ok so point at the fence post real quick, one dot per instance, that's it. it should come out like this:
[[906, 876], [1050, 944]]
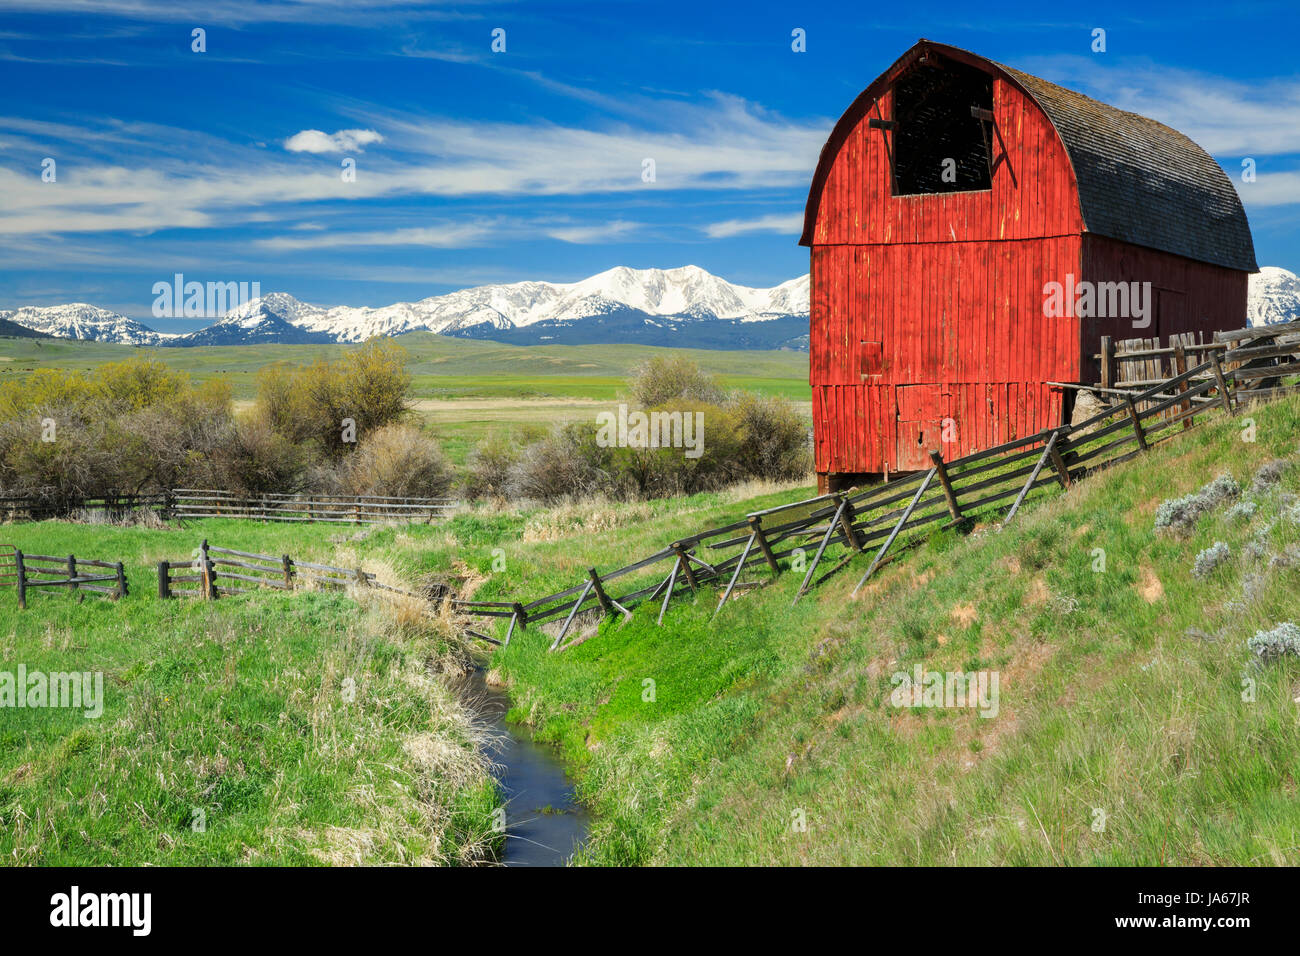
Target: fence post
[[72, 573], [942, 472], [757, 524], [685, 564], [1137, 423], [846, 524], [287, 564], [362, 580], [1107, 362], [1180, 366], [164, 580], [121, 582], [206, 585], [601, 596], [1223, 385], [1059, 463], [22, 579]]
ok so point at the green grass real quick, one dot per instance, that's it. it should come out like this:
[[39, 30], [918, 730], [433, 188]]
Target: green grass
[[706, 740], [774, 713], [230, 733], [442, 367], [463, 388]]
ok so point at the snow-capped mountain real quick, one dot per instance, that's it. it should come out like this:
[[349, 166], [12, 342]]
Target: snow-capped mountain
[[1274, 296], [77, 320], [683, 294]]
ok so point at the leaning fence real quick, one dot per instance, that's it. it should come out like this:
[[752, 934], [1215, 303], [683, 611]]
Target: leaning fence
[[885, 519]]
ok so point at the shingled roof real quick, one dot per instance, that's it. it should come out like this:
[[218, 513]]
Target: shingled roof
[[1139, 181], [1143, 182]]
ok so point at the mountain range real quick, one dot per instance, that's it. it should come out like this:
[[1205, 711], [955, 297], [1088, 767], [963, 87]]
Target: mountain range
[[671, 307]]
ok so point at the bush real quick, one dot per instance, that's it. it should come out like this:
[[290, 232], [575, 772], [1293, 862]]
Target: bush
[[1282, 640], [487, 472], [1181, 514], [1209, 559], [397, 461], [562, 465], [773, 438], [662, 380]]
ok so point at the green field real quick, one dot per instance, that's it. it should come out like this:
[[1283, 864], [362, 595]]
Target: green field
[[229, 732], [441, 367], [464, 389]]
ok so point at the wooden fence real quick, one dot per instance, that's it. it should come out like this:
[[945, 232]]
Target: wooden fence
[[205, 576], [50, 571], [54, 505], [884, 519], [350, 509]]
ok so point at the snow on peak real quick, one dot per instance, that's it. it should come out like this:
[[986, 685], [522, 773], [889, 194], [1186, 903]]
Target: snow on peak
[[1274, 296]]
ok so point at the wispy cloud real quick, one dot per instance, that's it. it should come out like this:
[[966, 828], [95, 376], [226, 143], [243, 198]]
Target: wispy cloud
[[721, 143], [790, 223]]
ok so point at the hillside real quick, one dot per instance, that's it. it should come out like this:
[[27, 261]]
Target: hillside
[[1120, 690]]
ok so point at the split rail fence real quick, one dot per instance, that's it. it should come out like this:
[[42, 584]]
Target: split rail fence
[[68, 571], [350, 509], [884, 519]]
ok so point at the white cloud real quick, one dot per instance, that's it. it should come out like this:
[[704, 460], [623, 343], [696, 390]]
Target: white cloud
[[344, 141], [450, 236], [596, 232], [791, 223]]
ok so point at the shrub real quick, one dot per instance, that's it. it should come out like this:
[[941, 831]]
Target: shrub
[[1269, 474], [398, 461], [562, 465], [1278, 642], [662, 380], [487, 472], [1181, 514], [773, 438], [1209, 559], [1242, 509]]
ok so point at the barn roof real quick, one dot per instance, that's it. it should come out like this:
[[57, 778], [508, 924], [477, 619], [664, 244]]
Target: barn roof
[[1139, 181]]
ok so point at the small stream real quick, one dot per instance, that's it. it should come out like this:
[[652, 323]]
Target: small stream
[[544, 823]]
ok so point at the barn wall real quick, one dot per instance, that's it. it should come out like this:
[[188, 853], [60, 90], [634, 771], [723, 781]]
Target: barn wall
[[929, 307], [1190, 296], [1034, 197]]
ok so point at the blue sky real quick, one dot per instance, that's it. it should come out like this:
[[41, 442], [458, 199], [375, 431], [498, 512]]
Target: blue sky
[[474, 166]]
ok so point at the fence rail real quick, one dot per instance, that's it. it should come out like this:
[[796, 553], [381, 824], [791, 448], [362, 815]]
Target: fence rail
[[877, 519], [349, 509], [47, 571]]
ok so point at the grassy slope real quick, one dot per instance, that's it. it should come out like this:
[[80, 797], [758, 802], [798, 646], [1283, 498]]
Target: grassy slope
[[1106, 702], [236, 708]]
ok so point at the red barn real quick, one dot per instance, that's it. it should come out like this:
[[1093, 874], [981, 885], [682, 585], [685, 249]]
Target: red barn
[[948, 199]]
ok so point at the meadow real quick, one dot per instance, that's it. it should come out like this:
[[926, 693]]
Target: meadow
[[464, 388]]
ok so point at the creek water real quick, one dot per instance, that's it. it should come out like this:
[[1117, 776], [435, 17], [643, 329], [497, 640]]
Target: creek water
[[544, 822]]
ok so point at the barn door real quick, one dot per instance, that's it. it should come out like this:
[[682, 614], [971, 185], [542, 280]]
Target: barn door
[[919, 425]]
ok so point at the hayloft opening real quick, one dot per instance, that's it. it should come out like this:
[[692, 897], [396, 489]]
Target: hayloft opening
[[939, 146]]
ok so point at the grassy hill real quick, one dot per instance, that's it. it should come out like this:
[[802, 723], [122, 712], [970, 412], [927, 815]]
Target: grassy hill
[[1133, 723], [1121, 735]]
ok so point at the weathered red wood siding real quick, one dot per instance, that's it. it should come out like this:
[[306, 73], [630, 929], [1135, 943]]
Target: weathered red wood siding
[[1190, 296], [951, 287]]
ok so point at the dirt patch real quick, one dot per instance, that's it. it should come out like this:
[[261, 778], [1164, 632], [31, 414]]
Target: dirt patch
[[1011, 563], [964, 614], [1149, 586], [1038, 593]]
